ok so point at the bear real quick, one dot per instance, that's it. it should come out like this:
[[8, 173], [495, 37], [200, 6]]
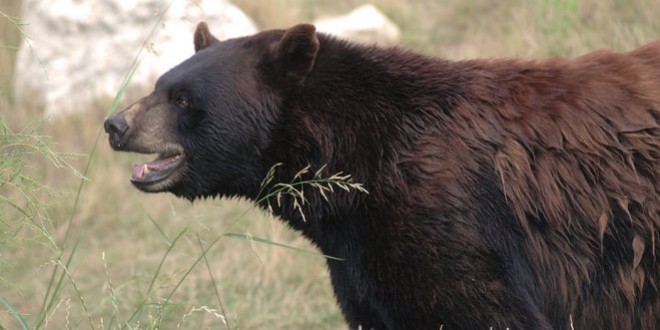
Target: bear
[[500, 193]]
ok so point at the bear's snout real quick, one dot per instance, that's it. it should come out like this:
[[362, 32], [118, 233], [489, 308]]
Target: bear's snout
[[116, 127]]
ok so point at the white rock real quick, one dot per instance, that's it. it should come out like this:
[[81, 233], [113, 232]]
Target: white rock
[[82, 49], [364, 24]]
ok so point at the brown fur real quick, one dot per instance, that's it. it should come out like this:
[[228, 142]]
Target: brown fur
[[575, 144], [502, 193]]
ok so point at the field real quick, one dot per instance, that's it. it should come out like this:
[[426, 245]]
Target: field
[[96, 253]]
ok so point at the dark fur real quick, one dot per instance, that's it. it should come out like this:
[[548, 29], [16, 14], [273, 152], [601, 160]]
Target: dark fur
[[502, 193]]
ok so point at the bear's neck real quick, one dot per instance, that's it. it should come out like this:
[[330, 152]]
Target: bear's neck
[[358, 110], [361, 107]]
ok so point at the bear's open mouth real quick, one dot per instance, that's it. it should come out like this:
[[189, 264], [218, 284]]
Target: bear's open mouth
[[157, 169]]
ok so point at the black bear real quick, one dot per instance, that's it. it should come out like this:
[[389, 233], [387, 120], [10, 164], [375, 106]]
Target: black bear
[[503, 194]]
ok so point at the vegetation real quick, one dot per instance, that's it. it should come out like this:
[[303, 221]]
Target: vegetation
[[80, 248]]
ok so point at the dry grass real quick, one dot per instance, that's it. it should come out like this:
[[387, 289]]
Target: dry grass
[[261, 286]]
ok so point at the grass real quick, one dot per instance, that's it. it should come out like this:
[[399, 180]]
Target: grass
[[147, 261]]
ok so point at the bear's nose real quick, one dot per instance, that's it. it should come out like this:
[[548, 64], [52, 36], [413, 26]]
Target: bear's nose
[[116, 127]]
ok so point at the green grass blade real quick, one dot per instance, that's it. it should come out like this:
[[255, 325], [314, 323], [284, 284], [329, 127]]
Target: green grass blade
[[30, 218], [160, 230], [138, 311], [43, 312], [78, 293], [215, 286], [17, 315], [162, 261], [41, 315], [185, 275], [18, 208], [266, 241]]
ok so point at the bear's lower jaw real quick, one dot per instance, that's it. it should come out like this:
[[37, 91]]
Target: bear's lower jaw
[[157, 175]]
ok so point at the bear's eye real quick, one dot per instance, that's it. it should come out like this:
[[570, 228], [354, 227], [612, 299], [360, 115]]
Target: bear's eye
[[182, 102]]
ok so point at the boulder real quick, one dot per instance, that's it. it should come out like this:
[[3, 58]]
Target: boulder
[[365, 24], [80, 51]]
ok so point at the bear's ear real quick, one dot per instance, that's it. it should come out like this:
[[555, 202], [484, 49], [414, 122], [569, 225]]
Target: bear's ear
[[203, 37], [297, 51]]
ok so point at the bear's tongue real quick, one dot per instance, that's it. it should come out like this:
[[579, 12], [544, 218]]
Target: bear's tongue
[[145, 170]]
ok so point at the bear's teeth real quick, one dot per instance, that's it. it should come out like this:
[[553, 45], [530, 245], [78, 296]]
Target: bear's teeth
[[145, 169]]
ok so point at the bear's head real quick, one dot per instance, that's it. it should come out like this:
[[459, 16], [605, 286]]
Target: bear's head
[[210, 119]]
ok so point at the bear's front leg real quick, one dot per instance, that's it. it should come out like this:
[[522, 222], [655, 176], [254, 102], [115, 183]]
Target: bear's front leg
[[357, 311]]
